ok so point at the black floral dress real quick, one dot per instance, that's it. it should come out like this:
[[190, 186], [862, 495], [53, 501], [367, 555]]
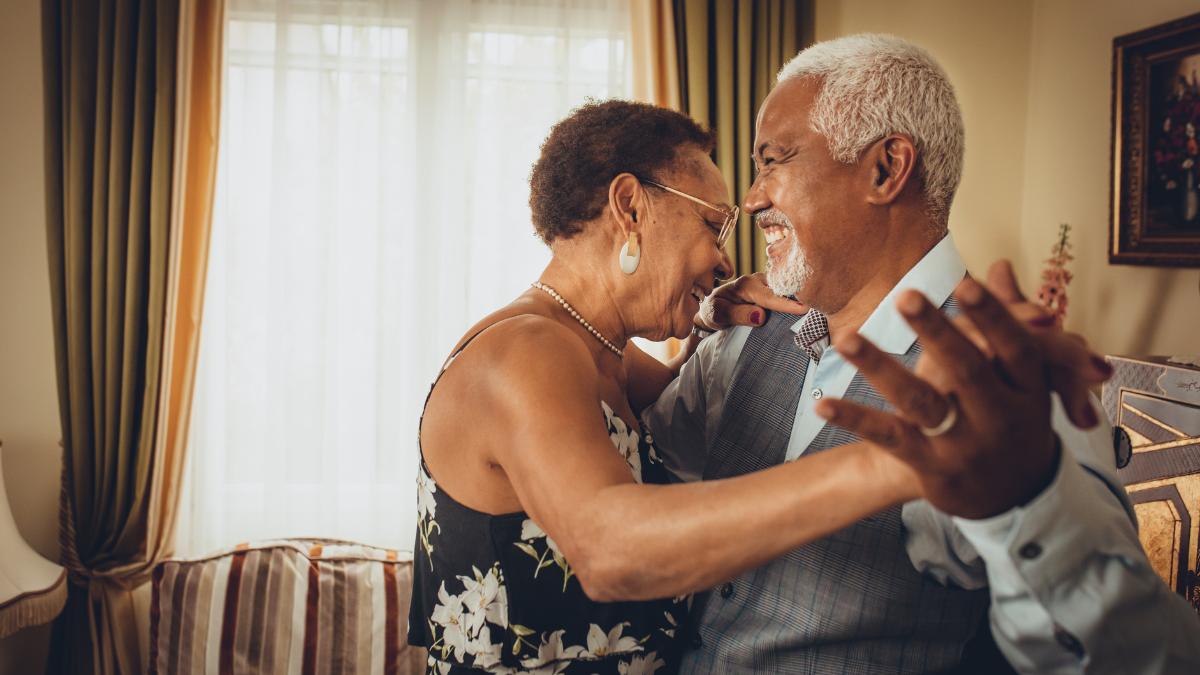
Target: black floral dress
[[493, 594]]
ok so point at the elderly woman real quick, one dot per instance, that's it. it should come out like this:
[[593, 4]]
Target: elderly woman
[[549, 539]]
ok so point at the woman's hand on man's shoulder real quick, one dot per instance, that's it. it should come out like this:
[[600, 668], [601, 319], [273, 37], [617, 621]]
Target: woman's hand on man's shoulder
[[745, 301]]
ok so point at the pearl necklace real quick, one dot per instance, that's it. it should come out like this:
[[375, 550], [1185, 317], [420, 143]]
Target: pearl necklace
[[571, 310]]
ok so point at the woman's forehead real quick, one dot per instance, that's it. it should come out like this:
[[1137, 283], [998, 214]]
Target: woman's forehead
[[695, 173]]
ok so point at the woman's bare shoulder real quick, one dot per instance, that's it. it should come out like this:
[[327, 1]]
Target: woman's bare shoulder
[[525, 348]]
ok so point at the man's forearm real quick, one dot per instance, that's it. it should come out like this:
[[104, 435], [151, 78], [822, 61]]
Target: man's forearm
[[1072, 591]]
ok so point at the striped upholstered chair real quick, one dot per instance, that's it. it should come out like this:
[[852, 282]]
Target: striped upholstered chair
[[290, 606]]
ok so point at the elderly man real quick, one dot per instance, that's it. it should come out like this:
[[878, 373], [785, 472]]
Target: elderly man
[[859, 152]]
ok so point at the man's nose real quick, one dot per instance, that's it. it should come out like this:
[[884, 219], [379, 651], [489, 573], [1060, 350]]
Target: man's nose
[[756, 199]]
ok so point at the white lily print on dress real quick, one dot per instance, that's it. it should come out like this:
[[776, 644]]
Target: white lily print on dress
[[530, 534], [485, 599], [448, 614], [641, 665], [552, 657], [485, 652], [463, 619], [625, 440], [426, 510], [439, 667], [669, 632], [601, 644]]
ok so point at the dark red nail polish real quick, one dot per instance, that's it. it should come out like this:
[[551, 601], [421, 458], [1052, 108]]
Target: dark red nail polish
[[1103, 366], [756, 318], [1042, 321]]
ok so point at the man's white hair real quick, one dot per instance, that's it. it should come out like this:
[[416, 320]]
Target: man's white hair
[[873, 85]]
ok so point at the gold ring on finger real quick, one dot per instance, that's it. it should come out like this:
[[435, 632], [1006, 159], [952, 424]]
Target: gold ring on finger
[[947, 422]]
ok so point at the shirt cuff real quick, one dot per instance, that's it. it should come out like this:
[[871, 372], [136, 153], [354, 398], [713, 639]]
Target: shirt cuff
[[1036, 545]]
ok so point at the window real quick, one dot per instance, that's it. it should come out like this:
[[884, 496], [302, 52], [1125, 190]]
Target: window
[[371, 205]]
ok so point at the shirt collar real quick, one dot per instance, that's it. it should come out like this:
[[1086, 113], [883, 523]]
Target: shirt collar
[[935, 275]]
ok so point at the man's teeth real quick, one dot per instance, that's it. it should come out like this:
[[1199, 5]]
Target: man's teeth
[[776, 233], [698, 294]]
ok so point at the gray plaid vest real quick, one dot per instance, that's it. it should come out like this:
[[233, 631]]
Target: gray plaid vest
[[849, 603]]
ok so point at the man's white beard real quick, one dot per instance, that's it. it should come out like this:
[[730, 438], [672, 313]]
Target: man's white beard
[[788, 278]]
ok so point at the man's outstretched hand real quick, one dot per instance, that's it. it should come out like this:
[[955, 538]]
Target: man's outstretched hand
[[984, 382]]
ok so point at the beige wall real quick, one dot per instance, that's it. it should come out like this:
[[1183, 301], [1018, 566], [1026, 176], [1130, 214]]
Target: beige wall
[[1123, 309], [1033, 79], [29, 423]]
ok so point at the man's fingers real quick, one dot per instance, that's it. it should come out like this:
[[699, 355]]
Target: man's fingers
[[912, 396], [883, 429], [1031, 314], [1003, 283], [1076, 398], [1069, 352], [1010, 341], [945, 344]]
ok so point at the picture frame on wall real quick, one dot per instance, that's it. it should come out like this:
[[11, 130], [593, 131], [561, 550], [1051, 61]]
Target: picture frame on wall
[[1155, 208]]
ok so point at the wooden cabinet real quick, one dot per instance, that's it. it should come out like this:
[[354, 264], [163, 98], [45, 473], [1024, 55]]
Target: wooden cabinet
[[1154, 406]]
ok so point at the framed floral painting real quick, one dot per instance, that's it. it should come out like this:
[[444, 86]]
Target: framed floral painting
[[1156, 146]]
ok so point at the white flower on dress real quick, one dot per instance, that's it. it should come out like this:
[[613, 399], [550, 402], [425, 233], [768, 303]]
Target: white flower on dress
[[426, 508], [601, 644], [486, 652], [641, 665], [448, 614], [426, 504], [530, 533], [441, 667], [464, 619], [670, 632], [552, 657], [625, 440], [485, 599]]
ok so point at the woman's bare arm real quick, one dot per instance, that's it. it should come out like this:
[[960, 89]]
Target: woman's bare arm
[[627, 541]]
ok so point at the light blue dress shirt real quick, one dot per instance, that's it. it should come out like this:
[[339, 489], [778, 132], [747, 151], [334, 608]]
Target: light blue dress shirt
[[1071, 588]]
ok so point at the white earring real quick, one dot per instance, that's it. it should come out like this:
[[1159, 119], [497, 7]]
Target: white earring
[[631, 254]]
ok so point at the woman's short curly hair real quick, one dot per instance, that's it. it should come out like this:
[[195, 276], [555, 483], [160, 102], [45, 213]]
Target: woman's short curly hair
[[586, 150]]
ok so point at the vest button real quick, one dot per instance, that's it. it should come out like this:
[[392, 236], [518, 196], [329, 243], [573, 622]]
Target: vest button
[[1068, 642], [726, 590], [1031, 550], [817, 394]]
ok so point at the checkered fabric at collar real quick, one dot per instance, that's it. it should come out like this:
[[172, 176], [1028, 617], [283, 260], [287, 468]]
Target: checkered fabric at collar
[[813, 329]]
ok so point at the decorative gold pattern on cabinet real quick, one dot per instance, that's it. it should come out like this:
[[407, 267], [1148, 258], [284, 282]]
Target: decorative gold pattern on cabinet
[[1152, 400]]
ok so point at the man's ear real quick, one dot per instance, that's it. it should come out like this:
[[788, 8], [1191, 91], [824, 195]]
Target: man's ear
[[892, 161], [626, 198]]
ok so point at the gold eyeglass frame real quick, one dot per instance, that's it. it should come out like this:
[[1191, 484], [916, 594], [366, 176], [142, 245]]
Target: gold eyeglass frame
[[731, 217]]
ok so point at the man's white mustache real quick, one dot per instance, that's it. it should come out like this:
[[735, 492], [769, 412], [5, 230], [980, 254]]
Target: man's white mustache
[[771, 217]]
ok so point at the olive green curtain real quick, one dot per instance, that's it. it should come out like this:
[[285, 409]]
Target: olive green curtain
[[110, 75], [729, 52]]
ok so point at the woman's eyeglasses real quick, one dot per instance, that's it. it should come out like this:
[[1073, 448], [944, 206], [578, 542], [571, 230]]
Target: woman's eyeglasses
[[731, 217]]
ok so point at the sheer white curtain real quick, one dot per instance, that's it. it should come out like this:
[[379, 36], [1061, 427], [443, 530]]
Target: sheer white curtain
[[371, 204]]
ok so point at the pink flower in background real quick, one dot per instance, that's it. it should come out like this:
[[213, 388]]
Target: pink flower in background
[[1053, 293]]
